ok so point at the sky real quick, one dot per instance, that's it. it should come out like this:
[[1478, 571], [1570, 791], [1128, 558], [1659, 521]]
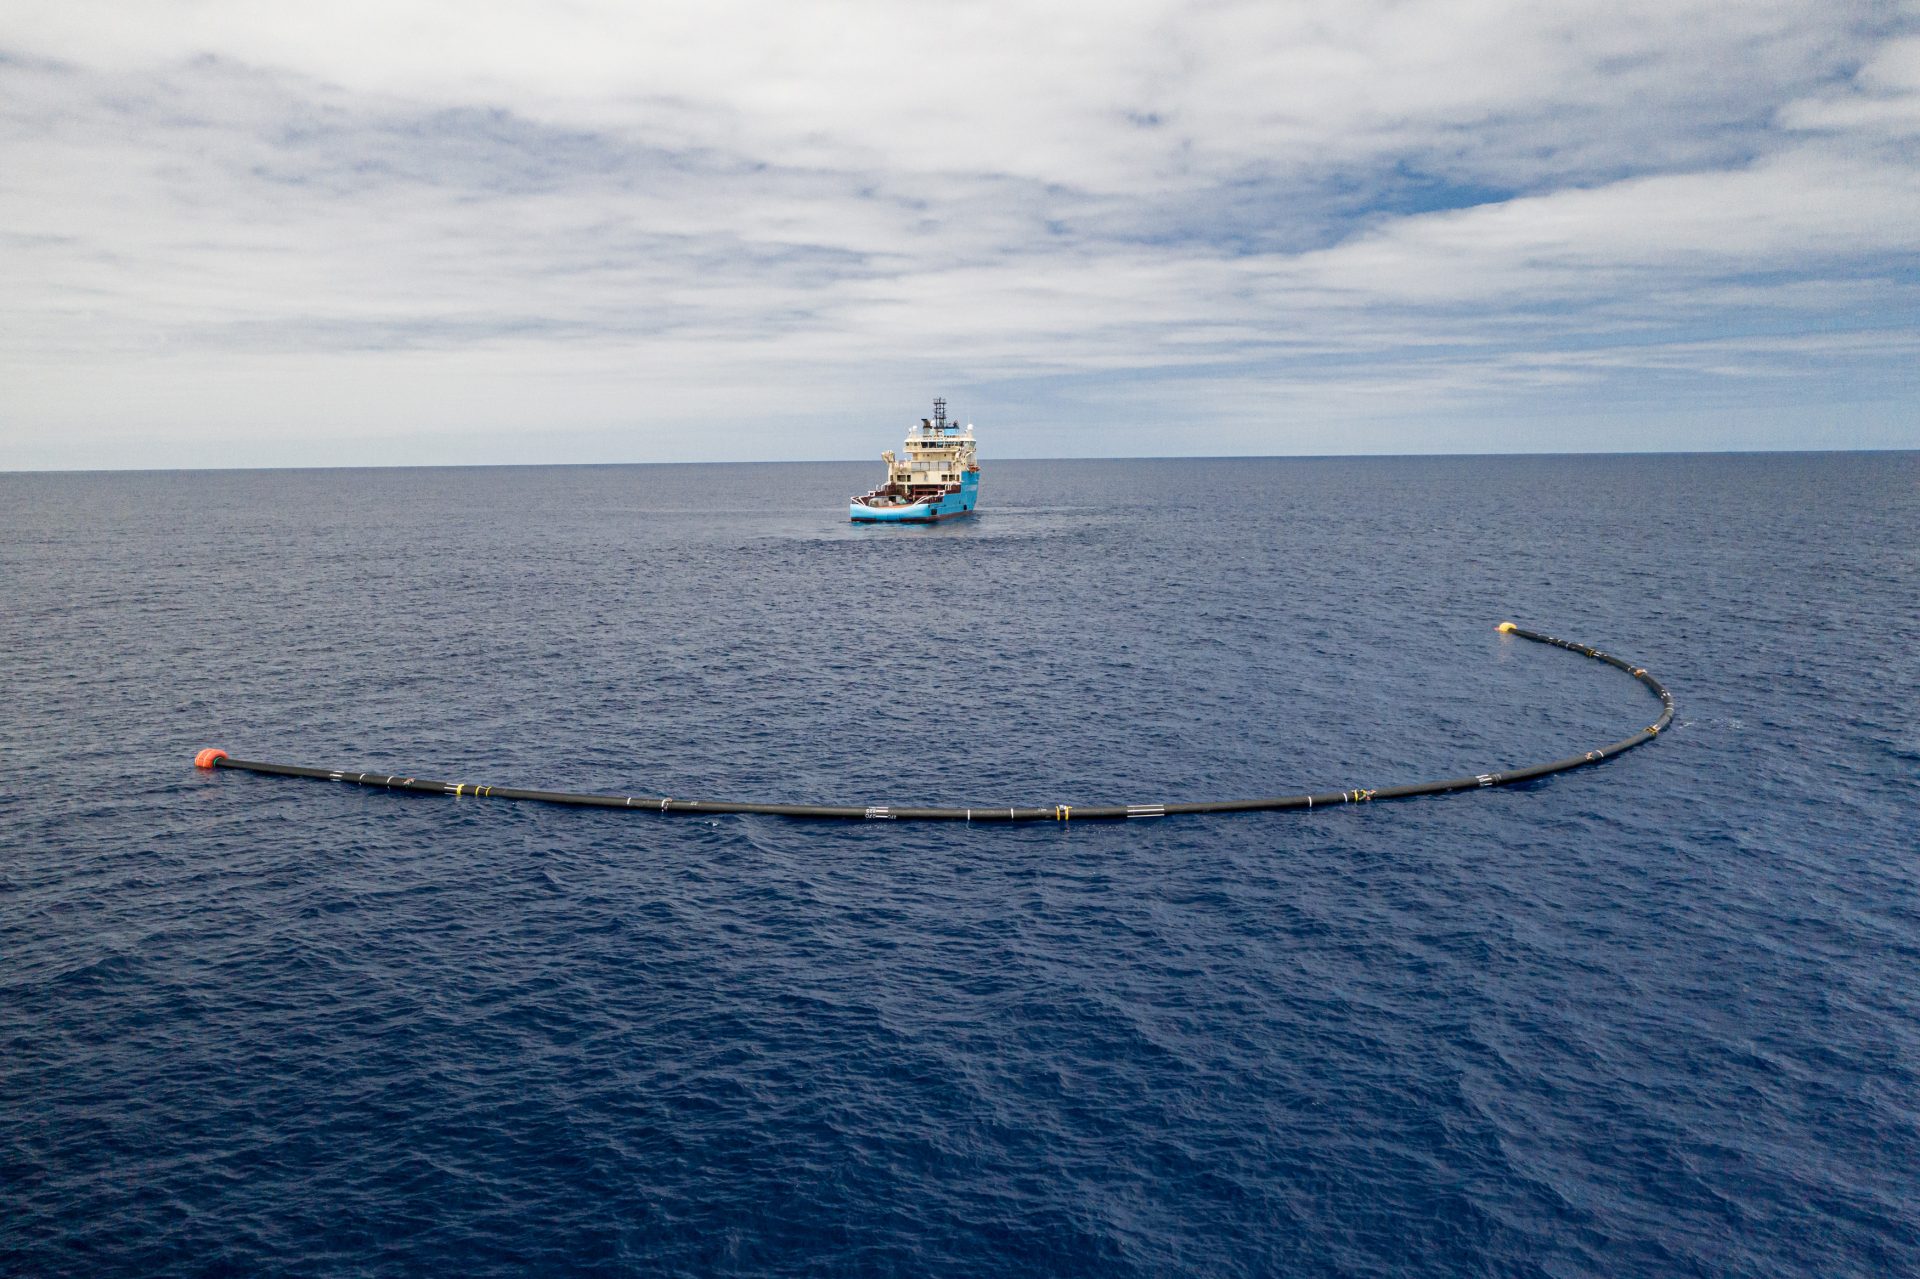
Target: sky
[[413, 232]]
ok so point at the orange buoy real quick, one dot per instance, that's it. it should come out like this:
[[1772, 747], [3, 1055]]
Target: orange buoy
[[206, 757]]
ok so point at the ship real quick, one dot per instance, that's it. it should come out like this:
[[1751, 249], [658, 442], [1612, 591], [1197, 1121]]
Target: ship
[[936, 476]]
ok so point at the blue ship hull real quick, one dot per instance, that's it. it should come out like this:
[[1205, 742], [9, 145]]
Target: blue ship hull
[[926, 511]]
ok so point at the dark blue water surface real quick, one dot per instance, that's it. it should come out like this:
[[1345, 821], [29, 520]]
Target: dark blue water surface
[[1660, 1017]]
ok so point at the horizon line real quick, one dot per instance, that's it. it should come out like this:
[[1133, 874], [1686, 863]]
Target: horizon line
[[1167, 457]]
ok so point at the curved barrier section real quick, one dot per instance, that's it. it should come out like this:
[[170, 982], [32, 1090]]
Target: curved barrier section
[[212, 759]]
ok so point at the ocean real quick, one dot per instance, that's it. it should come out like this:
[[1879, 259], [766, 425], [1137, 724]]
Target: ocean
[[1654, 1017]]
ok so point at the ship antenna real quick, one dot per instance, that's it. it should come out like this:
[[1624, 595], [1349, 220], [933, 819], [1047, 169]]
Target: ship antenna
[[939, 414]]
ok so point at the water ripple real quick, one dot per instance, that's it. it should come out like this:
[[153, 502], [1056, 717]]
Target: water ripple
[[1652, 1018]]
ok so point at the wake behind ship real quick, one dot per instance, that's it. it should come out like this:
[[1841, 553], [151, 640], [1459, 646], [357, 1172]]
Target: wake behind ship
[[937, 476]]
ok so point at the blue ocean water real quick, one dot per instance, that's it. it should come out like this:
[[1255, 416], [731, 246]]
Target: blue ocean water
[[1657, 1017]]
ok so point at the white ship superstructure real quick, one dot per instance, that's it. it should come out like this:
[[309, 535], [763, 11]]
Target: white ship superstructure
[[935, 476]]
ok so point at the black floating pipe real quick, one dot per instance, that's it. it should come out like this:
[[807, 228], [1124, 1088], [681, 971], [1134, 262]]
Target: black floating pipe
[[1059, 812]]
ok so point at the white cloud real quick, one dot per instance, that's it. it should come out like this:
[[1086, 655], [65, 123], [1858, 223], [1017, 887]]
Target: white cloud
[[1804, 207], [1357, 209], [1881, 104], [1057, 94]]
